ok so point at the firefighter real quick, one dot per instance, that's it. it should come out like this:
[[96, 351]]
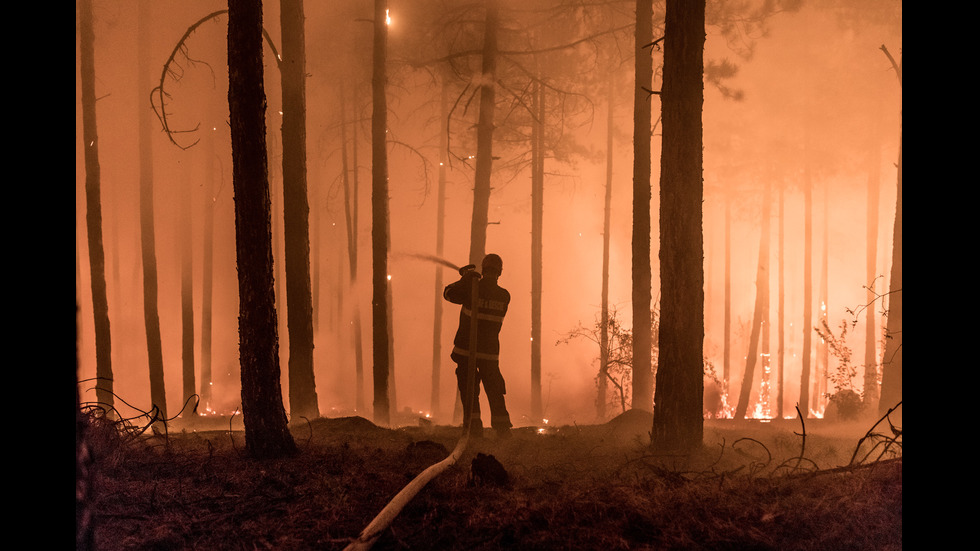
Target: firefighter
[[491, 308]]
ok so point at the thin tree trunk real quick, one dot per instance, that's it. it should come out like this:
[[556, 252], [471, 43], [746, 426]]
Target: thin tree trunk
[[296, 212], [804, 402], [727, 360], [602, 381], [187, 295], [891, 363], [93, 206], [678, 420], [484, 138], [379, 224], [765, 394], [350, 217], [871, 390], [213, 183], [823, 348], [207, 276], [780, 310], [537, 245], [358, 325], [440, 245], [761, 306], [392, 390], [151, 315], [266, 432], [642, 195]]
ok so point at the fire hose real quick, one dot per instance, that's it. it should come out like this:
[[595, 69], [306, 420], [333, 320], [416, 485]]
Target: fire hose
[[372, 532]]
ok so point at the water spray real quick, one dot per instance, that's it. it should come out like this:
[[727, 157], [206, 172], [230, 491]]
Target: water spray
[[427, 257]]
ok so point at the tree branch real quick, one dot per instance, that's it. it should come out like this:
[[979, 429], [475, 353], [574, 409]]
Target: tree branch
[[896, 66]]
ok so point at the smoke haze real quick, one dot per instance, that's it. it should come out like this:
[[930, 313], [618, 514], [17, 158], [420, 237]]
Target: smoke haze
[[819, 99]]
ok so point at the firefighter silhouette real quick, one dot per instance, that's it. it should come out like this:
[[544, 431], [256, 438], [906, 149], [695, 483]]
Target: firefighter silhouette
[[491, 305]]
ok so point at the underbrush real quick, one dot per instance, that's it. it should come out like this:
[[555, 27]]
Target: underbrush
[[751, 486]]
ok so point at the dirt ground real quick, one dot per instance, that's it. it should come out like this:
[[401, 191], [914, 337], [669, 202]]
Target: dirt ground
[[780, 485]]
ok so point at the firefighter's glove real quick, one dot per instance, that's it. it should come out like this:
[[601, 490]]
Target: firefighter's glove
[[469, 268]]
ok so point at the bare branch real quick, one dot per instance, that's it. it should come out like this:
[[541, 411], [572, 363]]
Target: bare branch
[[173, 69], [896, 66]]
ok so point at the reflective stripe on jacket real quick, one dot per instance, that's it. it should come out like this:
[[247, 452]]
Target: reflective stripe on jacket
[[493, 303]]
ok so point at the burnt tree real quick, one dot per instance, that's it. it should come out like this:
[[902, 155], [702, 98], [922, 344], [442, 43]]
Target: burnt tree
[[678, 422], [93, 207], [760, 321], [484, 137], [296, 212], [891, 363], [266, 432], [379, 218], [151, 315], [642, 278]]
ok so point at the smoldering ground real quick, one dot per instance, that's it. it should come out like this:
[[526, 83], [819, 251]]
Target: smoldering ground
[[752, 485]]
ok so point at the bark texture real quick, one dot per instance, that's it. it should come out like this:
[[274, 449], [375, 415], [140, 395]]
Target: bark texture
[[151, 315], [678, 421], [296, 212], [266, 433], [93, 207], [379, 218], [642, 278]]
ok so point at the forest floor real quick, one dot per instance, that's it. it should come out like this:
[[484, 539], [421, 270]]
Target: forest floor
[[783, 485]]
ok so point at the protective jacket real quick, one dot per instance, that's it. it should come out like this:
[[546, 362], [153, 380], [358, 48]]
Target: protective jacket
[[492, 306]]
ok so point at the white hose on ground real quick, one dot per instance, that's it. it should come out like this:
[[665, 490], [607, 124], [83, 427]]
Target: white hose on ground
[[367, 538], [376, 527]]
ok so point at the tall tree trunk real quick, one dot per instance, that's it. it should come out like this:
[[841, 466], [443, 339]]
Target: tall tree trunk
[[780, 309], [765, 394], [266, 432], [823, 348], [603, 383], [484, 137], [379, 222], [187, 294], [761, 307], [537, 244], [891, 363], [804, 402], [392, 390], [350, 217], [93, 206], [207, 271], [355, 216], [678, 420], [437, 354], [642, 195], [151, 315], [727, 360], [296, 212], [871, 390]]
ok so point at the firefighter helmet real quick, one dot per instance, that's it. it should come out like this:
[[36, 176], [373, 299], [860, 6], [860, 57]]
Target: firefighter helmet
[[492, 263]]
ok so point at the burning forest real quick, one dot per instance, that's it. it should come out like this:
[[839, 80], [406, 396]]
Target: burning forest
[[662, 240]]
